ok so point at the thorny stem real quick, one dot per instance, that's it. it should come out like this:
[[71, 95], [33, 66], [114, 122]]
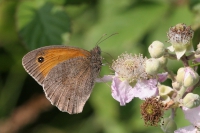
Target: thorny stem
[[191, 56], [184, 59], [173, 113], [171, 75]]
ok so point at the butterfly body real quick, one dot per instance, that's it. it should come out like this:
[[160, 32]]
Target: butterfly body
[[67, 74]]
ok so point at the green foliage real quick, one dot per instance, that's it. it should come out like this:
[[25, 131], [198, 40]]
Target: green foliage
[[41, 23], [29, 24]]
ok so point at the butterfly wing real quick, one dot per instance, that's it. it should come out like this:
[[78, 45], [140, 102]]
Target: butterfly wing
[[39, 62], [69, 85]]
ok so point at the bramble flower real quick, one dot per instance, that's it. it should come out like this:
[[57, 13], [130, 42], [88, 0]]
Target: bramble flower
[[180, 36], [130, 79], [130, 68], [152, 110]]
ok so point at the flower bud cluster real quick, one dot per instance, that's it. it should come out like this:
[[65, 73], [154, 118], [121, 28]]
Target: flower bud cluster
[[136, 76]]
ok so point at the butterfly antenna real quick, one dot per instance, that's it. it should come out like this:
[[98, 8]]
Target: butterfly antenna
[[108, 54], [100, 41]]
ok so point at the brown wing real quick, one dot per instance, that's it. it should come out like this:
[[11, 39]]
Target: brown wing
[[69, 85], [39, 62]]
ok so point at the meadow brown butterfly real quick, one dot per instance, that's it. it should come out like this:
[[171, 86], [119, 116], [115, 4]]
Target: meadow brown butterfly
[[67, 74]]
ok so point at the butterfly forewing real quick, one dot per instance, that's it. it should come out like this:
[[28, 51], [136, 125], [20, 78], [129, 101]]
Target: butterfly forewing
[[69, 84], [38, 63]]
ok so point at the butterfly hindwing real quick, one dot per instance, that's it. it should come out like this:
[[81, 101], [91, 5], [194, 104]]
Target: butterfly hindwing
[[39, 62], [69, 84]]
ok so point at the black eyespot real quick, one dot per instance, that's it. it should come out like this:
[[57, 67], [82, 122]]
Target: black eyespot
[[41, 59]]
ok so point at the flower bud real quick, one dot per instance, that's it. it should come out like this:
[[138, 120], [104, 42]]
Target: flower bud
[[163, 61], [197, 56], [156, 49], [180, 75], [152, 66], [164, 90], [168, 125], [191, 78], [187, 76], [191, 100], [176, 85]]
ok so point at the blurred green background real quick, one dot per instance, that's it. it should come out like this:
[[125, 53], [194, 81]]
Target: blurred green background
[[28, 24]]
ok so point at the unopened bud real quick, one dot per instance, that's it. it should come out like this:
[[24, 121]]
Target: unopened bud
[[176, 85], [152, 66], [180, 75], [191, 78], [156, 49], [191, 100], [187, 76]]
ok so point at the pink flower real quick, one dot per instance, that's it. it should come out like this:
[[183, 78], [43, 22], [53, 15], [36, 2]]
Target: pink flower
[[188, 129], [105, 78], [198, 59], [193, 115], [162, 77], [146, 88], [122, 91]]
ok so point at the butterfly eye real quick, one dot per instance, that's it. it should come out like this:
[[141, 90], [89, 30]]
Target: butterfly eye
[[41, 59]]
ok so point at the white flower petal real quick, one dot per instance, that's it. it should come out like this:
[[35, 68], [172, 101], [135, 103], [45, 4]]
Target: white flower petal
[[122, 91], [105, 78], [179, 54], [193, 115], [171, 48], [146, 88], [188, 129], [162, 77]]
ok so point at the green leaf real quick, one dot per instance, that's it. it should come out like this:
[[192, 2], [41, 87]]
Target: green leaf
[[41, 24]]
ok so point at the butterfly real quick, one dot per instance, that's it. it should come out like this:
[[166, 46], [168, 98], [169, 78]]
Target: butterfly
[[67, 74]]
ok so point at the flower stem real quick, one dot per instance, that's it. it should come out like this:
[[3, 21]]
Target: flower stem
[[173, 113], [184, 59], [171, 75]]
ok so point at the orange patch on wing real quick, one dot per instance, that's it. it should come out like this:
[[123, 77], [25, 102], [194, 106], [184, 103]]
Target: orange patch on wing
[[53, 57]]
